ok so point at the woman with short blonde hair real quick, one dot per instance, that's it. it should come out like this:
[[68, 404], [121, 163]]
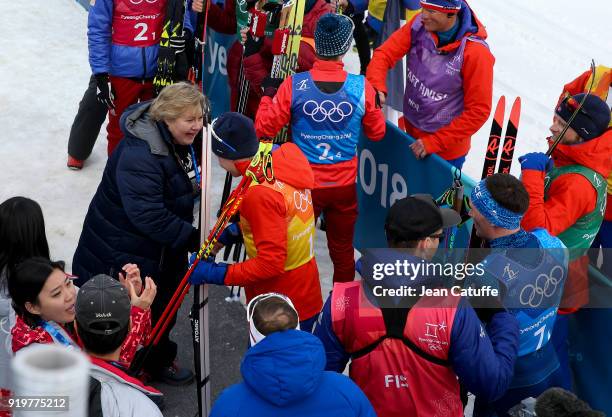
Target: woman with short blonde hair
[[175, 100], [143, 208]]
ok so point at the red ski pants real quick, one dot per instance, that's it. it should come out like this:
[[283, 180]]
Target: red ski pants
[[127, 92], [339, 207]]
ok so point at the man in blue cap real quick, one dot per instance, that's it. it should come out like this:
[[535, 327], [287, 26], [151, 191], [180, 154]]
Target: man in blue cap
[[327, 109]]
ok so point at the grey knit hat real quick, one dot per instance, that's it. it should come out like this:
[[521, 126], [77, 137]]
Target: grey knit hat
[[333, 35]]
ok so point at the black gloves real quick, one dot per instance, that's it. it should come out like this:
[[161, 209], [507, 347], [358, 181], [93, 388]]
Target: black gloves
[[270, 86], [193, 244], [177, 42], [105, 91], [273, 11], [252, 46]]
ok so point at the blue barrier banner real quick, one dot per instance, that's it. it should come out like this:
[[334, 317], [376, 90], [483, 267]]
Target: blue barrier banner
[[388, 171], [215, 77]]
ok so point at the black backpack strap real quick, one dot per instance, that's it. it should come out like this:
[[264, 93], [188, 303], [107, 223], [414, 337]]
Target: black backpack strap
[[94, 406], [395, 322]]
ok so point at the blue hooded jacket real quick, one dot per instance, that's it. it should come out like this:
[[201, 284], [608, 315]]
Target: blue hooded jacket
[[284, 376]]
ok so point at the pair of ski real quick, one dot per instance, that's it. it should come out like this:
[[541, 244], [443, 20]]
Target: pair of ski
[[493, 146]]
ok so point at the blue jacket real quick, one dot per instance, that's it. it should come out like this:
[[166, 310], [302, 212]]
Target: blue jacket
[[142, 211], [283, 376], [482, 358], [120, 60]]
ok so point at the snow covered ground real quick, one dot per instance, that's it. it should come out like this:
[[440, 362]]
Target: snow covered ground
[[538, 46]]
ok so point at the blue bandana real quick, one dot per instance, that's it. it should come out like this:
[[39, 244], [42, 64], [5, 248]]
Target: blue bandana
[[491, 210]]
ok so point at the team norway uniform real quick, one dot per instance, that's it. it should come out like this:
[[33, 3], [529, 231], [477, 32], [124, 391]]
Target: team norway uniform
[[326, 127], [602, 86], [581, 170], [277, 224]]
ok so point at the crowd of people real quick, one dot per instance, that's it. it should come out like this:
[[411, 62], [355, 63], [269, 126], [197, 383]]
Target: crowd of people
[[139, 230]]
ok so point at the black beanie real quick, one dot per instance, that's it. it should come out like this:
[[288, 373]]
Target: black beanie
[[233, 136], [592, 119]]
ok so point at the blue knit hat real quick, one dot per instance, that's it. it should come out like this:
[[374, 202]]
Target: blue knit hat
[[491, 210], [233, 136], [592, 119], [333, 35], [445, 6]]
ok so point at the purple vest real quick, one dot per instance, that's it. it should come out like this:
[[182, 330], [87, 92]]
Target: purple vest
[[434, 86]]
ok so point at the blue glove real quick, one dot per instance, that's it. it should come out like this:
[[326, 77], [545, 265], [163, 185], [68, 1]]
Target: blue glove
[[208, 272], [230, 235], [537, 161]]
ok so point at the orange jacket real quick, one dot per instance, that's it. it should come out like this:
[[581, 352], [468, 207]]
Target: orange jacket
[[453, 140], [570, 196], [265, 211], [581, 85]]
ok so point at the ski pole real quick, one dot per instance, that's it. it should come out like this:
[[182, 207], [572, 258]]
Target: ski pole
[[574, 113]]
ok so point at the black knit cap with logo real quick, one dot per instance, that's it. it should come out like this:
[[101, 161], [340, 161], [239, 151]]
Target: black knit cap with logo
[[103, 306]]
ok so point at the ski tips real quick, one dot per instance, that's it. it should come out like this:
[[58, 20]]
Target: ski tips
[[499, 110], [515, 113]]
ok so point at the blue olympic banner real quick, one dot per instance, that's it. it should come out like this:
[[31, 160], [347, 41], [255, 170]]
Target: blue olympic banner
[[388, 171], [216, 83]]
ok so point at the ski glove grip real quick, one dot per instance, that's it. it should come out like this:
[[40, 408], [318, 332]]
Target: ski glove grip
[[104, 90], [208, 273], [537, 161], [230, 235]]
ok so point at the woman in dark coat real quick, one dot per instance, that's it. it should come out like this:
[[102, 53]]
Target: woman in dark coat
[[142, 212]]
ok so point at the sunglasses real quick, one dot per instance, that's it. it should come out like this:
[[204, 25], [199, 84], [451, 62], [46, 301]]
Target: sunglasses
[[217, 138], [575, 106]]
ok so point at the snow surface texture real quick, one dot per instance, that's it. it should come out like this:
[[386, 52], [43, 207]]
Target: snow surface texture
[[539, 46]]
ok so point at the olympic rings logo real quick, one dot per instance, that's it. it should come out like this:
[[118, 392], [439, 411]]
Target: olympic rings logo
[[545, 286], [140, 1], [327, 109], [302, 201]]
